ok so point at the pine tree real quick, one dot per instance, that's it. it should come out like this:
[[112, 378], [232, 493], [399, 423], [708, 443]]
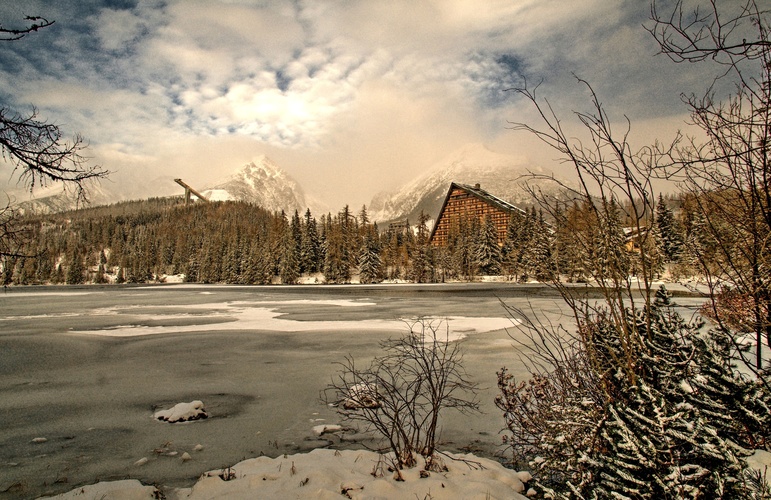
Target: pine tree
[[76, 269], [654, 429], [421, 265], [310, 246], [487, 253], [289, 268], [514, 244], [463, 250], [337, 259], [669, 239], [258, 269], [530, 253], [611, 258], [370, 264]]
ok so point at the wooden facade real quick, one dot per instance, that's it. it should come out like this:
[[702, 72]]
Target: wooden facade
[[469, 203]]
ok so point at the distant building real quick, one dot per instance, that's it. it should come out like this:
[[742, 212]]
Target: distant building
[[469, 203], [400, 226]]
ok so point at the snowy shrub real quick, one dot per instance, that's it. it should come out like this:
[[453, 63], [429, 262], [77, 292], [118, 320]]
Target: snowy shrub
[[402, 392], [656, 416]]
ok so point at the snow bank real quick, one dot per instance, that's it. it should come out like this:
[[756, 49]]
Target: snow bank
[[349, 473], [183, 412], [128, 489], [330, 474]]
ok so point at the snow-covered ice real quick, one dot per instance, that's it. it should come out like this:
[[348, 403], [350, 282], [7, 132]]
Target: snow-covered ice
[[256, 356]]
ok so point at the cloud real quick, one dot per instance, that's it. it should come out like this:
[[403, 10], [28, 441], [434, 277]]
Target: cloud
[[364, 90]]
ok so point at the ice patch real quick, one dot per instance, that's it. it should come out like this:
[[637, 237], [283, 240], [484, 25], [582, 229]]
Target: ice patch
[[321, 302], [247, 316], [320, 430]]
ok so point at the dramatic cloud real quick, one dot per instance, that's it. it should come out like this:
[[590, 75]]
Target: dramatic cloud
[[349, 96]]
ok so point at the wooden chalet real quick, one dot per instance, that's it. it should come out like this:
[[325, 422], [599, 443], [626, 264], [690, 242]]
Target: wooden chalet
[[471, 202]]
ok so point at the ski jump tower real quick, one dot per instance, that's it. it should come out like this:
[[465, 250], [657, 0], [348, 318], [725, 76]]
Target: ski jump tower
[[189, 191]]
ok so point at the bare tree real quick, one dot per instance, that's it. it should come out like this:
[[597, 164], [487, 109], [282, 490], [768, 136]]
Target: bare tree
[[41, 155], [401, 394], [614, 184], [603, 414], [728, 175], [38, 151]]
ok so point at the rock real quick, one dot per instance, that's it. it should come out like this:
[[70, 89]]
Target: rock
[[362, 395], [198, 447], [186, 457], [141, 462], [183, 412], [39, 440]]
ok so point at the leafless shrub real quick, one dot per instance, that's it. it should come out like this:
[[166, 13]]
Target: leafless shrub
[[402, 392]]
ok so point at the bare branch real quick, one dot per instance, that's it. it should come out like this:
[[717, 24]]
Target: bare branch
[[36, 23]]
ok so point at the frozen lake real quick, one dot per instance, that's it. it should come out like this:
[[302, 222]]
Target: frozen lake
[[86, 367]]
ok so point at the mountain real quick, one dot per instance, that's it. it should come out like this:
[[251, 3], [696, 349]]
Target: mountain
[[261, 182], [55, 198], [498, 174]]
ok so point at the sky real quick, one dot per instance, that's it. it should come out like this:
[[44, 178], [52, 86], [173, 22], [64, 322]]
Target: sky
[[350, 97]]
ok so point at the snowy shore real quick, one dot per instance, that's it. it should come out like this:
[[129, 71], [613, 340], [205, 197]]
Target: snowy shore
[[331, 474]]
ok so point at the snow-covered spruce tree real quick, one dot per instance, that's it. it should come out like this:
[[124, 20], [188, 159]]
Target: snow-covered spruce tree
[[513, 245], [669, 238], [610, 411], [422, 267], [487, 253], [289, 263], [592, 428], [309, 245], [370, 264], [463, 250], [738, 405], [75, 267], [539, 256]]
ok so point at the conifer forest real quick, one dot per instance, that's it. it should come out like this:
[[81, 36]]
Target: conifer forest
[[241, 243]]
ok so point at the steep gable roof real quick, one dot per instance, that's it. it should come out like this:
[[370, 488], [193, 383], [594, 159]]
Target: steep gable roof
[[479, 193]]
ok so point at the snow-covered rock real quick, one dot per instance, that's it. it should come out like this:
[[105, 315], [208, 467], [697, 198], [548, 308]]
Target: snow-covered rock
[[55, 198], [362, 395], [183, 412]]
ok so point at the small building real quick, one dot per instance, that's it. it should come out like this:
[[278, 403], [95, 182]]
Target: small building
[[469, 203]]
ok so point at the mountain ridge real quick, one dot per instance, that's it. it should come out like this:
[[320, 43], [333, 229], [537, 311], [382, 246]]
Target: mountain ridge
[[262, 182], [500, 174]]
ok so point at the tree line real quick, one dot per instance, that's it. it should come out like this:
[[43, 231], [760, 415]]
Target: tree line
[[241, 243]]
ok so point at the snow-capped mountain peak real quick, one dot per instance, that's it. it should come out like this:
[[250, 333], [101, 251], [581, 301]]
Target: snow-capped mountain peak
[[261, 182], [497, 173]]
